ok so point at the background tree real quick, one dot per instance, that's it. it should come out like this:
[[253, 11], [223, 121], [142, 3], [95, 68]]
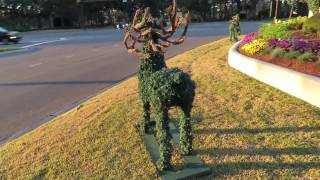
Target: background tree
[[276, 10], [313, 7], [292, 4]]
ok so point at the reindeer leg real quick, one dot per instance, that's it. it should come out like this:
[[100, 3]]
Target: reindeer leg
[[185, 131], [145, 123], [164, 138]]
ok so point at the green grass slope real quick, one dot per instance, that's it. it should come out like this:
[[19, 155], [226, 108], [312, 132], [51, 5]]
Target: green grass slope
[[243, 129]]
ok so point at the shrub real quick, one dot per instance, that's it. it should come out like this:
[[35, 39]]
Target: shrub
[[266, 51], [312, 24], [308, 57], [279, 31], [254, 47], [278, 52], [292, 55], [295, 23]]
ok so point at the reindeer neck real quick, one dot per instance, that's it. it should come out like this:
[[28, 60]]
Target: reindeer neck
[[154, 63]]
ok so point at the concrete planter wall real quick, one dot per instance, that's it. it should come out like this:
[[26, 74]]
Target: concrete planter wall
[[303, 86]]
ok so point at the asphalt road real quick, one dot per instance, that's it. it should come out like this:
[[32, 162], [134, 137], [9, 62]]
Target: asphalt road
[[58, 69]]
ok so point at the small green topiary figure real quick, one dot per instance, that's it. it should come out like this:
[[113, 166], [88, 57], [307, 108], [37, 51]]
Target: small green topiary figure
[[234, 28], [159, 86]]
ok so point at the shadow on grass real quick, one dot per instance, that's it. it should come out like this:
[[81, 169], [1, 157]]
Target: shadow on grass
[[232, 168], [255, 130], [261, 151]]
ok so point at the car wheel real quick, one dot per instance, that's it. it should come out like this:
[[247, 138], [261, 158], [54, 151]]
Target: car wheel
[[5, 41]]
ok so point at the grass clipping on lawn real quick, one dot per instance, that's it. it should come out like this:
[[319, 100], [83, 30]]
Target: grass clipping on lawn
[[243, 129]]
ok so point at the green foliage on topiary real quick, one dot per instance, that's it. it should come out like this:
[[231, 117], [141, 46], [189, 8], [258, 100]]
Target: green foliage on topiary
[[159, 86], [312, 24], [234, 28], [163, 88]]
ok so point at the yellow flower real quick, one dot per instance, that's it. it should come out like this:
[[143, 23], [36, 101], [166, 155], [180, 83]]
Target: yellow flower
[[254, 47]]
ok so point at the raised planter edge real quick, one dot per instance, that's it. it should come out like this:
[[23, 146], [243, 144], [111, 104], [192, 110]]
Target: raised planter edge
[[302, 86]]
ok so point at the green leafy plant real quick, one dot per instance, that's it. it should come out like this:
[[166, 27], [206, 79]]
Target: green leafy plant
[[278, 52], [266, 51], [292, 55], [295, 23], [279, 31], [163, 88], [308, 57]]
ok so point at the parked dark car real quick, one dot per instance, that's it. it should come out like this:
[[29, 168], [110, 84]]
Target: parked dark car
[[9, 36]]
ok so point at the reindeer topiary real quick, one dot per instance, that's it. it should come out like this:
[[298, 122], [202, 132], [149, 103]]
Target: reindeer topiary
[[160, 86]]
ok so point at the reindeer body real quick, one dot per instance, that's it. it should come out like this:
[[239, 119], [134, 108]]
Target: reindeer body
[[163, 88]]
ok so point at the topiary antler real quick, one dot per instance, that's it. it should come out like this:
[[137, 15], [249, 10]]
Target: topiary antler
[[148, 33]]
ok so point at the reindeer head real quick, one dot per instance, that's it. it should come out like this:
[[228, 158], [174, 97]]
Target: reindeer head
[[153, 33]]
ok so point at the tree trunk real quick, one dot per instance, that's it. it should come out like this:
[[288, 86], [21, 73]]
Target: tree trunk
[[313, 6], [291, 11], [271, 8], [276, 12], [225, 12], [310, 14], [51, 19]]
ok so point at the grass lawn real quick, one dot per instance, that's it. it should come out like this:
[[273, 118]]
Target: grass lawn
[[243, 129]]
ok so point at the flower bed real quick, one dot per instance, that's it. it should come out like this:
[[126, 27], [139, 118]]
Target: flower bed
[[300, 85], [286, 45], [275, 57]]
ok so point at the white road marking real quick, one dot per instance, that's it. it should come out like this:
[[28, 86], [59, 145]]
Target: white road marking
[[34, 65], [45, 42]]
